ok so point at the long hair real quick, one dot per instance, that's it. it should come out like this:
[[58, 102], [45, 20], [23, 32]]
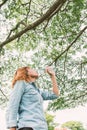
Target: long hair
[[21, 74]]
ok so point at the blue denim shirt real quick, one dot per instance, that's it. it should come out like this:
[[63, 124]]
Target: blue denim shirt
[[25, 108]]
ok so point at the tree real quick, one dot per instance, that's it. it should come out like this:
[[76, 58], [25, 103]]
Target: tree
[[40, 33], [74, 125], [50, 121]]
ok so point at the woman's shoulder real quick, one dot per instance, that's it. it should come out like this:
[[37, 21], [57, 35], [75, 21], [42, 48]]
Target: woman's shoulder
[[21, 83]]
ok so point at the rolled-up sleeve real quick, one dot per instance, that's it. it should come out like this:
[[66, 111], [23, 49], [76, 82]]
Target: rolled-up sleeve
[[48, 95], [13, 105]]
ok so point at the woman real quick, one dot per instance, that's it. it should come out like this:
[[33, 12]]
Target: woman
[[25, 110]]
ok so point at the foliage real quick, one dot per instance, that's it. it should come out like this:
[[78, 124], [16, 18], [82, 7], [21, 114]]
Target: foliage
[[74, 125], [50, 121], [50, 43]]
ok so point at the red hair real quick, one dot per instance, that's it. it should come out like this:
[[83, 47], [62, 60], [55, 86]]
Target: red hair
[[21, 74]]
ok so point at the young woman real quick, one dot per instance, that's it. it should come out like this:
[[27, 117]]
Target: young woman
[[25, 108]]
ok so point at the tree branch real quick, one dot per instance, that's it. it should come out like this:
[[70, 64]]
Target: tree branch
[[29, 5], [82, 63], [76, 98], [85, 62], [16, 27], [3, 3], [36, 23], [80, 33], [57, 10], [4, 94]]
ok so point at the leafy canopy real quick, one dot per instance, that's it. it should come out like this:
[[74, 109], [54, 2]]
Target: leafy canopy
[[40, 33]]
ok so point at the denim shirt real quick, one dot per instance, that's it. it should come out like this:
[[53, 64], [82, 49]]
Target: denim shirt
[[25, 108]]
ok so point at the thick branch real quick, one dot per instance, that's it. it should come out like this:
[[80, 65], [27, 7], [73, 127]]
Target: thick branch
[[36, 23], [57, 10], [80, 33]]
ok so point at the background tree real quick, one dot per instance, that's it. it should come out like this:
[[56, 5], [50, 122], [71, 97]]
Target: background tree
[[50, 121], [74, 125], [40, 33]]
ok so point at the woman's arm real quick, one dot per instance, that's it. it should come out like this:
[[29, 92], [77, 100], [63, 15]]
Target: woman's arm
[[53, 79], [55, 86]]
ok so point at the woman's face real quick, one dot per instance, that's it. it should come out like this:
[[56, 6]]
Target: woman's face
[[33, 75]]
